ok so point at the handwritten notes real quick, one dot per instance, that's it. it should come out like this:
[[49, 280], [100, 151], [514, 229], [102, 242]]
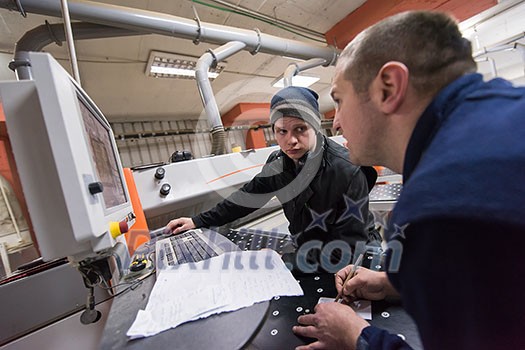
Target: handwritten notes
[[224, 283]]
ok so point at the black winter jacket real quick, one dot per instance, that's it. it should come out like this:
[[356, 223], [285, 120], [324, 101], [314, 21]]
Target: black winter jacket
[[312, 196]]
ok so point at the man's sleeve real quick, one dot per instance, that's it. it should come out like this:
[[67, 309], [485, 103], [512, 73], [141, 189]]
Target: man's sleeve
[[373, 338], [237, 205], [252, 196], [462, 281]]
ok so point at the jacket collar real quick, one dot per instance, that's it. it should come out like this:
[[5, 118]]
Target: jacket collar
[[434, 115]]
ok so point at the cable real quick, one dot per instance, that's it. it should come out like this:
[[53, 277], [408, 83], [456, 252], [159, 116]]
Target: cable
[[267, 17], [259, 19]]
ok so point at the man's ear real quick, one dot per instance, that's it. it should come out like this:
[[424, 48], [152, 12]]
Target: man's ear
[[390, 86]]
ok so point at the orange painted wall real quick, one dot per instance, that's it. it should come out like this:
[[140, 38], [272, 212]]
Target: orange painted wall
[[9, 171], [249, 114], [255, 139], [373, 11], [330, 114]]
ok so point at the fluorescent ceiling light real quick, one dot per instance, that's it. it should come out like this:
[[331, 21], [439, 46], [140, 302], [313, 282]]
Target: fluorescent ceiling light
[[169, 65], [158, 70], [297, 80]]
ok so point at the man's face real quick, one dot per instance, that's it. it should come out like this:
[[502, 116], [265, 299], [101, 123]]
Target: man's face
[[356, 116], [294, 136]]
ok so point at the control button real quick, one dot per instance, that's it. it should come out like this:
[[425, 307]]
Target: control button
[[117, 228], [165, 189], [95, 187], [123, 226], [159, 173], [114, 229], [139, 263], [137, 266]]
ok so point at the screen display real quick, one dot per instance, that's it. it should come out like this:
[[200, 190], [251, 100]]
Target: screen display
[[103, 158]]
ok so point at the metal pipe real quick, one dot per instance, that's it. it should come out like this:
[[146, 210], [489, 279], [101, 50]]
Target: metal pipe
[[508, 43], [294, 69], [492, 63], [164, 24], [70, 42], [489, 14], [289, 73], [522, 49], [208, 99], [493, 69], [38, 38]]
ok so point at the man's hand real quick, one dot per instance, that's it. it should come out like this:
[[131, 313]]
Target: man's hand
[[334, 325], [366, 284], [179, 225]]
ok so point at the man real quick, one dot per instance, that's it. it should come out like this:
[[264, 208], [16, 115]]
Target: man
[[324, 196], [407, 98]]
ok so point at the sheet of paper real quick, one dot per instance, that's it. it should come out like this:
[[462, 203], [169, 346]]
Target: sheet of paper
[[224, 283], [362, 307]]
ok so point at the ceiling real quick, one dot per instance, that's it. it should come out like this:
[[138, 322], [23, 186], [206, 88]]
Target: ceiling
[[112, 71]]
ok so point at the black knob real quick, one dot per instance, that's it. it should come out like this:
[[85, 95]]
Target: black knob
[[159, 173], [95, 187], [165, 189]]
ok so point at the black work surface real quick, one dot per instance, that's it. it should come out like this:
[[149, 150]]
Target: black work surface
[[266, 325], [276, 333], [229, 330]]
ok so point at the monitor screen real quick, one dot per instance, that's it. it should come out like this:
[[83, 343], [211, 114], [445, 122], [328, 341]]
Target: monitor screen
[[64, 149], [103, 157]]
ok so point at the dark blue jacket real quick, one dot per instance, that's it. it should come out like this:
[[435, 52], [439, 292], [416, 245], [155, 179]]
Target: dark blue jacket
[[460, 220]]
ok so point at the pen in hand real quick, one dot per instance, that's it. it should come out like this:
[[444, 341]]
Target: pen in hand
[[358, 262]]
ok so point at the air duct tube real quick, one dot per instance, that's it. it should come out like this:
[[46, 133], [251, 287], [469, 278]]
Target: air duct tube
[[165, 24], [212, 57], [38, 38], [294, 69]]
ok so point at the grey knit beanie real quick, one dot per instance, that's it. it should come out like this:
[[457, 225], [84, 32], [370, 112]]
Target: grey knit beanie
[[298, 102]]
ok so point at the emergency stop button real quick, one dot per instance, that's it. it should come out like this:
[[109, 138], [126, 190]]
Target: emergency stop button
[[117, 228]]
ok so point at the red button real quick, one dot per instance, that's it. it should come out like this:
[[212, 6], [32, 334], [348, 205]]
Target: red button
[[123, 226]]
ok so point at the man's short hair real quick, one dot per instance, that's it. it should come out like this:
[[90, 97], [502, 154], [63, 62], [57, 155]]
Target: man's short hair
[[429, 43]]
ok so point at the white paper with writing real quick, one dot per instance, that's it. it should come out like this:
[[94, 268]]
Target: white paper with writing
[[224, 283]]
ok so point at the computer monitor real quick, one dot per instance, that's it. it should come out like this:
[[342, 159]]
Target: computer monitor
[[68, 163]]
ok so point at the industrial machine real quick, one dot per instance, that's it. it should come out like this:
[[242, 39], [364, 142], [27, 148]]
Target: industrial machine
[[71, 174]]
